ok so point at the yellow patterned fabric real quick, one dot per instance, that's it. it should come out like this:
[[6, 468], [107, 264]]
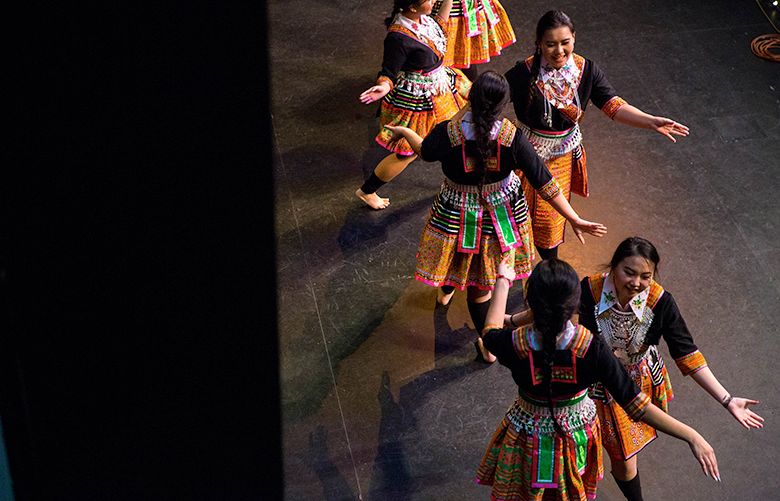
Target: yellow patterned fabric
[[439, 262], [690, 363], [508, 462], [420, 113], [612, 106], [463, 50], [623, 437], [548, 224]]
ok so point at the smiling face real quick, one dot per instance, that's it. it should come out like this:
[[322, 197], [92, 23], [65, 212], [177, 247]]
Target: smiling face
[[631, 276], [556, 45]]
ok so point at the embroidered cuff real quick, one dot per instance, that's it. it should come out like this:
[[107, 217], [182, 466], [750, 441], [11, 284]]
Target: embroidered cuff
[[690, 363], [385, 79], [491, 327], [549, 190], [612, 106], [636, 407]]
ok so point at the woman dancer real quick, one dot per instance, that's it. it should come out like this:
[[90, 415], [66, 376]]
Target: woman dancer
[[550, 91], [478, 30], [416, 89], [550, 438], [631, 312], [480, 213]]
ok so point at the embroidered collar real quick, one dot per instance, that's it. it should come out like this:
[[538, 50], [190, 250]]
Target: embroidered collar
[[468, 127], [427, 30], [536, 342], [609, 299], [559, 86]]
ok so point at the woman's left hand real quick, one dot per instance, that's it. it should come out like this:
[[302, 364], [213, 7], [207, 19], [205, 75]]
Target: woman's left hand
[[397, 134], [668, 127], [738, 407], [582, 226]]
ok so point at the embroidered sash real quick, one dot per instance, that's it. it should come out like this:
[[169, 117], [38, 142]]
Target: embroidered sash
[[470, 12]]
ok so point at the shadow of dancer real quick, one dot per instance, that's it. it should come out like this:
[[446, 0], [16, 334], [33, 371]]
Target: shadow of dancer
[[334, 486]]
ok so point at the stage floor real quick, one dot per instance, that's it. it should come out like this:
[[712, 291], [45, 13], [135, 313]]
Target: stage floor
[[381, 395]]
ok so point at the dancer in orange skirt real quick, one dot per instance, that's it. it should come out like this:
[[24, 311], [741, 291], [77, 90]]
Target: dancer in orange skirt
[[417, 90], [548, 445], [550, 91], [478, 30], [632, 312], [480, 213]]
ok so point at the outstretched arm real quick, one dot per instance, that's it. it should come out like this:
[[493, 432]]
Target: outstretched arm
[[737, 406], [401, 132], [505, 277], [578, 224], [633, 116], [703, 451]]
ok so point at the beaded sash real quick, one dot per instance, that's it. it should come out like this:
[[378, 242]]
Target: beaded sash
[[551, 144], [498, 197], [532, 416], [435, 82]]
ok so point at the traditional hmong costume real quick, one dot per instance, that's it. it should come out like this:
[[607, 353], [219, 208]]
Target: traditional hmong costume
[[527, 455], [424, 91], [634, 335], [468, 231], [551, 124], [478, 30]]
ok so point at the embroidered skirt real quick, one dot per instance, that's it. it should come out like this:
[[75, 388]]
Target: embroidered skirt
[[465, 239], [624, 437], [564, 156], [476, 35], [420, 101], [526, 456]]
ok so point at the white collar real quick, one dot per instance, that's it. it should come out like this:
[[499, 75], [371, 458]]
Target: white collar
[[468, 127], [561, 342], [609, 298], [569, 71], [426, 29]]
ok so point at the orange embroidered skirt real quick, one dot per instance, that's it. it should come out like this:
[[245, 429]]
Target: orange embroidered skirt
[[462, 252], [411, 105], [475, 37], [526, 460], [622, 436]]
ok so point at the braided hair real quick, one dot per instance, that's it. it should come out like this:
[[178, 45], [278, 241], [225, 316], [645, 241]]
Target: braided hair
[[488, 95], [549, 21], [398, 6], [553, 296]]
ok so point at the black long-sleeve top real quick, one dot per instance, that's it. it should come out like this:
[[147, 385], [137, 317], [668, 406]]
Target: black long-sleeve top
[[593, 86], [586, 357], [520, 155], [404, 53]]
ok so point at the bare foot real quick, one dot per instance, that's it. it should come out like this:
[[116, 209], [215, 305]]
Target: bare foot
[[372, 199], [486, 355], [442, 298]]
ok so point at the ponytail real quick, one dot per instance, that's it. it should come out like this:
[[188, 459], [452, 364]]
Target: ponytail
[[488, 95]]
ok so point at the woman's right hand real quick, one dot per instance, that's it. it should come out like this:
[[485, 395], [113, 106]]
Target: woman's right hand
[[398, 134], [581, 226], [374, 93], [506, 268], [705, 455]]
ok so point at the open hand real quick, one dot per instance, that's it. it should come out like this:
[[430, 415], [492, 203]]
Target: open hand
[[374, 93], [738, 407], [705, 454], [582, 226], [669, 128]]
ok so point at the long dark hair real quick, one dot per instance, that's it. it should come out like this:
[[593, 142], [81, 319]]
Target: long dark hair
[[398, 6], [549, 21], [488, 95], [635, 246], [553, 295]]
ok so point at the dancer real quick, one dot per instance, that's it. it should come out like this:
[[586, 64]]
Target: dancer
[[416, 89], [550, 91], [478, 30], [480, 213], [632, 312], [550, 438]]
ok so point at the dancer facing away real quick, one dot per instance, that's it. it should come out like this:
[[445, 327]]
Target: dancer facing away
[[550, 91], [550, 438], [416, 89], [478, 30], [480, 214]]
